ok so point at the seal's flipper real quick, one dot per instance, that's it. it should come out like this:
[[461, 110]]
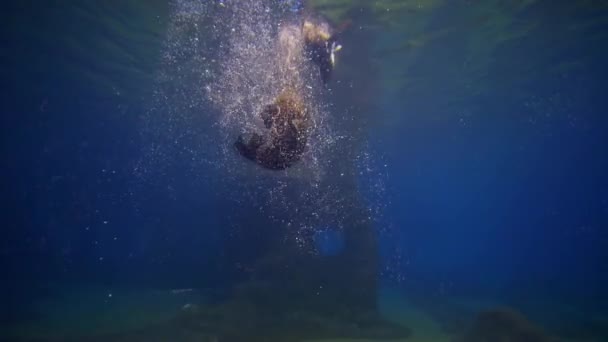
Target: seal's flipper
[[321, 43], [248, 147]]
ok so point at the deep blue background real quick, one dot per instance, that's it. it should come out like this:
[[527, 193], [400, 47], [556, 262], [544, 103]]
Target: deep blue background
[[508, 198]]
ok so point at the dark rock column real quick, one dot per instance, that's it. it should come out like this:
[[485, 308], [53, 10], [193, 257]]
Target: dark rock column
[[291, 291]]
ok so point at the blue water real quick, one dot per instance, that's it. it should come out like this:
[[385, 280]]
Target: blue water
[[471, 143]]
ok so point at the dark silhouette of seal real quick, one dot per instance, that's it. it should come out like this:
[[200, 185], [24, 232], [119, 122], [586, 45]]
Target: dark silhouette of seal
[[288, 123], [321, 45]]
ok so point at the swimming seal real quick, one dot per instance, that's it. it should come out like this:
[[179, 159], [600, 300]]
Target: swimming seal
[[287, 122], [321, 45]]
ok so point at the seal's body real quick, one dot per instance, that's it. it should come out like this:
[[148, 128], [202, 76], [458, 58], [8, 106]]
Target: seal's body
[[287, 121]]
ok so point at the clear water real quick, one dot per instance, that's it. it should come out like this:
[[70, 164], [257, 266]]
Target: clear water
[[453, 187]]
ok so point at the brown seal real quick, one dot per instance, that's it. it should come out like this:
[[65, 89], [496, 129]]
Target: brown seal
[[288, 123]]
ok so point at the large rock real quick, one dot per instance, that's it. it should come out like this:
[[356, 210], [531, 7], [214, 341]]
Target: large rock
[[504, 325]]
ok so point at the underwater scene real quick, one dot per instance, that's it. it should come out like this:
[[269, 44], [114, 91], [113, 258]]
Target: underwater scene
[[304, 170]]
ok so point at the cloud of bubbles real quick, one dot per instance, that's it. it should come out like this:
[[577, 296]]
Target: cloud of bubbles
[[221, 63]]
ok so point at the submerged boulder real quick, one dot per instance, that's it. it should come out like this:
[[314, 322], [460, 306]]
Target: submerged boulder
[[504, 325]]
